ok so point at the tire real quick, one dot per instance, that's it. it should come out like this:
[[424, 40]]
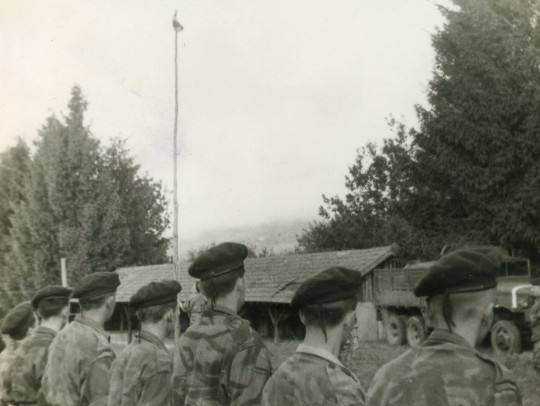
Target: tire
[[395, 329], [505, 338], [416, 331]]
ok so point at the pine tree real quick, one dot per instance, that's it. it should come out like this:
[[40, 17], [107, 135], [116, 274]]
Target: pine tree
[[83, 203], [476, 164]]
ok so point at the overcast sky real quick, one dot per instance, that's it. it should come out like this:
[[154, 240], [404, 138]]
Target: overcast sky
[[275, 95]]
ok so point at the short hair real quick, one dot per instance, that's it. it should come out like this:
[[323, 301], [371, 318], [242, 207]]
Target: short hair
[[153, 314], [221, 285], [328, 314], [444, 309], [95, 303], [51, 306]]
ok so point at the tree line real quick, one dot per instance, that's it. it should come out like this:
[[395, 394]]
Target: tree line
[[69, 196], [469, 173]]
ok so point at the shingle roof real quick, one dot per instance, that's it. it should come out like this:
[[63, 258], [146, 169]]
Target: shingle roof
[[269, 279]]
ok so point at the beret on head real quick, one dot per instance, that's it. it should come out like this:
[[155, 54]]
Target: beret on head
[[156, 293], [95, 285], [219, 260], [50, 292], [18, 320], [331, 285], [461, 271]]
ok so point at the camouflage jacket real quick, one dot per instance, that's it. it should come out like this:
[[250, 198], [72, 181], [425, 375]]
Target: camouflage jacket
[[27, 369], [444, 370], [78, 366], [141, 374], [219, 361], [194, 307], [6, 361], [313, 376]]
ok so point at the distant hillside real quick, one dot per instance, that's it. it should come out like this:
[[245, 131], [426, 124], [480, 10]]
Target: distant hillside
[[277, 237]]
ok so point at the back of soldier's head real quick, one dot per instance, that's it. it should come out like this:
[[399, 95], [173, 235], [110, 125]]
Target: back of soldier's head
[[97, 291], [464, 306], [18, 321], [460, 286], [153, 301], [51, 301], [327, 297], [51, 307], [219, 269], [328, 314]]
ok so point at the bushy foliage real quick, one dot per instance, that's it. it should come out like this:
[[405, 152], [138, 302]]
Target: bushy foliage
[[78, 200], [470, 172]]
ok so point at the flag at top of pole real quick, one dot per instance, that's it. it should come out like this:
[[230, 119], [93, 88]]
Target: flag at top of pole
[[176, 25]]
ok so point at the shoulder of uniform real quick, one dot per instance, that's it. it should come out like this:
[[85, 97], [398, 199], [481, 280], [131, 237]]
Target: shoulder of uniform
[[344, 384], [147, 358]]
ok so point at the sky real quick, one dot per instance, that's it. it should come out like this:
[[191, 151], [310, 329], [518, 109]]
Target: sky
[[275, 96]]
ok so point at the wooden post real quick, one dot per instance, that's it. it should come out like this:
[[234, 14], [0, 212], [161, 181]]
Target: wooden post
[[276, 317], [130, 325], [63, 272]]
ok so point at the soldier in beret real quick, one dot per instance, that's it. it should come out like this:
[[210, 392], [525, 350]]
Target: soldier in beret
[[80, 356], [14, 329], [447, 369], [314, 375], [141, 374], [51, 305], [220, 360]]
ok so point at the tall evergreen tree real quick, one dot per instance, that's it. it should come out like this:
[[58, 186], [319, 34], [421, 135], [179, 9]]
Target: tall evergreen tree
[[471, 173], [83, 203], [476, 163], [14, 168]]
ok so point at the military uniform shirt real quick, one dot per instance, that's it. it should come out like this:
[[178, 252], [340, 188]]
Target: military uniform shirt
[[6, 360], [313, 376], [445, 370], [220, 361], [141, 374], [78, 366], [27, 369]]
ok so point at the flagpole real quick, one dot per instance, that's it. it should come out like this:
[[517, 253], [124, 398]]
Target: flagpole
[[177, 28]]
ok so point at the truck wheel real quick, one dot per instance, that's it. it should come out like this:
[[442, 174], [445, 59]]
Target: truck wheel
[[416, 331], [395, 329], [505, 338]]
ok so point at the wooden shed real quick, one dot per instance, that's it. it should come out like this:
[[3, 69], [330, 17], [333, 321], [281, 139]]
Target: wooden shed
[[270, 286]]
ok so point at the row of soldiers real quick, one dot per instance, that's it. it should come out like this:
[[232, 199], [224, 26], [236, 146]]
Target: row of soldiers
[[220, 360]]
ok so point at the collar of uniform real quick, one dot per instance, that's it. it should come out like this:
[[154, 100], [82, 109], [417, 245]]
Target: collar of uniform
[[45, 331], [151, 338], [319, 352], [439, 335], [92, 324], [223, 309]]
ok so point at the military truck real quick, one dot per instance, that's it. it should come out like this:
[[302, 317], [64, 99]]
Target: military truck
[[402, 313]]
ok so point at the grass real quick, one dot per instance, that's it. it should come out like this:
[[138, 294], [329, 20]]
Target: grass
[[372, 355]]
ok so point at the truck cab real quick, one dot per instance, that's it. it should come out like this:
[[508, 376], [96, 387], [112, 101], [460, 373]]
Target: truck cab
[[514, 301]]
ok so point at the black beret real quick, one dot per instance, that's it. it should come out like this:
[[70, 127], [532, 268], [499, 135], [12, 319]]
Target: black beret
[[156, 293], [331, 285], [219, 260], [95, 285], [461, 271], [53, 291], [18, 320]]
